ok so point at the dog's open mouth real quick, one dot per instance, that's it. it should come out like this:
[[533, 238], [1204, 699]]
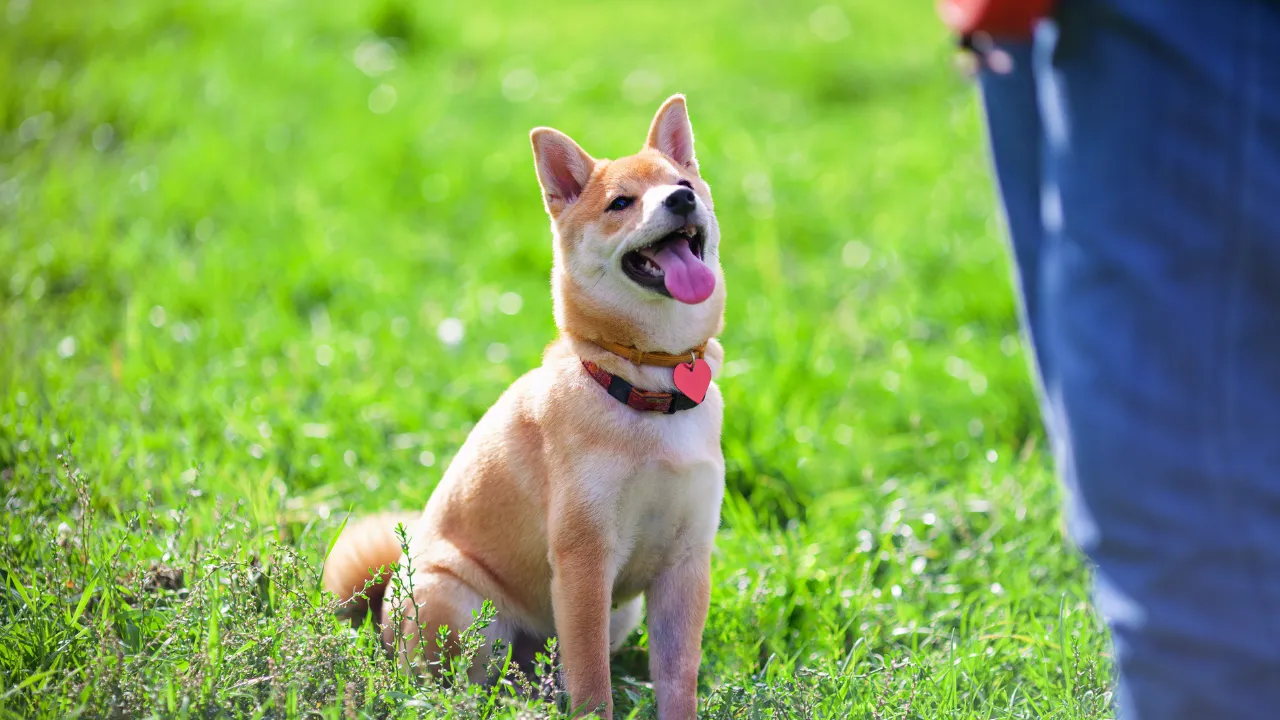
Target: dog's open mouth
[[673, 266]]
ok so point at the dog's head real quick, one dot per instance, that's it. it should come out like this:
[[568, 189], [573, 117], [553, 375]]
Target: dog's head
[[636, 239]]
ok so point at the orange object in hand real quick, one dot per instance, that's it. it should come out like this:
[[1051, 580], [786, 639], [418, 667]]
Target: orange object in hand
[[1001, 19]]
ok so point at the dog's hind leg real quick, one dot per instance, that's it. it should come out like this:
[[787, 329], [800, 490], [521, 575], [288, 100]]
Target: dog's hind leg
[[623, 621], [440, 598]]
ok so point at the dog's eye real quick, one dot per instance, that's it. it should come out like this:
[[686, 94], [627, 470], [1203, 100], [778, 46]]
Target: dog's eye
[[620, 203], [686, 183]]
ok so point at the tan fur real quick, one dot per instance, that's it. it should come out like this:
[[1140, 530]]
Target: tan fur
[[564, 507], [365, 547]]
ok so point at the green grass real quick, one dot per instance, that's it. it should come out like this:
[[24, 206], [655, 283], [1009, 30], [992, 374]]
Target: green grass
[[230, 234]]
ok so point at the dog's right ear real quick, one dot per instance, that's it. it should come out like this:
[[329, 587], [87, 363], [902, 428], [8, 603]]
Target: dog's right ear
[[563, 168]]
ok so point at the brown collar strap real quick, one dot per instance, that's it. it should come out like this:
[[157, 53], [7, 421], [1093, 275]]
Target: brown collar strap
[[643, 400], [640, 357]]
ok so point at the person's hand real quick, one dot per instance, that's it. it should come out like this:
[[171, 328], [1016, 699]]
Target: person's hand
[[980, 23], [979, 51]]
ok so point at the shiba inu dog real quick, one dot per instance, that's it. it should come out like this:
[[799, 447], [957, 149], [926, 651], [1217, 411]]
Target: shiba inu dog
[[590, 492]]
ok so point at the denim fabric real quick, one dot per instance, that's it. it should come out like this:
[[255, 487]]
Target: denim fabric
[[1137, 145]]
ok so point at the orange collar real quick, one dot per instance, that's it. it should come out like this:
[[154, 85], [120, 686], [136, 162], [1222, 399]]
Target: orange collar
[[641, 357]]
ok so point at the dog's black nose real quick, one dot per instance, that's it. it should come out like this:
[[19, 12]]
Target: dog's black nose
[[681, 202]]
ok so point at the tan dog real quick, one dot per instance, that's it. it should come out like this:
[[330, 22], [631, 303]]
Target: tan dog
[[569, 500]]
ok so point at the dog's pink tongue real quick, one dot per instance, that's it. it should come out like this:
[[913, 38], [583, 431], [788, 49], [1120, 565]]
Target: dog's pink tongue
[[688, 279]]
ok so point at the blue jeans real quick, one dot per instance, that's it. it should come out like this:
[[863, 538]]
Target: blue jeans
[[1137, 146]]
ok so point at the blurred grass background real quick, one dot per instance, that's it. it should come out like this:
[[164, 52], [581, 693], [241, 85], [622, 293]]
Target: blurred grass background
[[282, 255]]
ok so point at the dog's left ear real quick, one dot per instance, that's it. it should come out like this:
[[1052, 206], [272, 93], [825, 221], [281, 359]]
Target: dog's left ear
[[671, 134], [563, 168]]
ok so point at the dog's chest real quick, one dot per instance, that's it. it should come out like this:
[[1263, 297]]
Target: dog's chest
[[666, 510]]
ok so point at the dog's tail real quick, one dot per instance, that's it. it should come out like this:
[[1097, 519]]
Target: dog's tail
[[359, 565]]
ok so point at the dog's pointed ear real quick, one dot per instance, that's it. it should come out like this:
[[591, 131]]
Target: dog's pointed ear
[[563, 167], [671, 134]]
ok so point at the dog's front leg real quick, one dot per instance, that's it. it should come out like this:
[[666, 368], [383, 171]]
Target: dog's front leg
[[678, 600], [580, 597]]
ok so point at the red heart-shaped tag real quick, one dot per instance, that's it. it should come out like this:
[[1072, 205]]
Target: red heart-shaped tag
[[694, 380]]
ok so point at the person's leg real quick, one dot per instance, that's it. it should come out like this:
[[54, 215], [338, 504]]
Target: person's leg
[[1160, 316], [1015, 139]]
